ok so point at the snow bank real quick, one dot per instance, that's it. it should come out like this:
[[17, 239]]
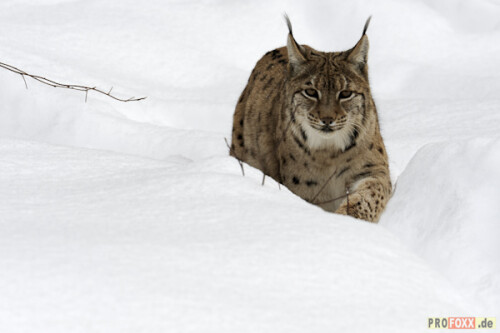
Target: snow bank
[[446, 209], [99, 242]]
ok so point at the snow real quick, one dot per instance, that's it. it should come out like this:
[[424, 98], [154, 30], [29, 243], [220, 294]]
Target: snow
[[121, 243], [451, 218], [130, 217]]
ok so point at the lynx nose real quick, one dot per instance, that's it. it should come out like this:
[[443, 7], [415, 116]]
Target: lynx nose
[[327, 121]]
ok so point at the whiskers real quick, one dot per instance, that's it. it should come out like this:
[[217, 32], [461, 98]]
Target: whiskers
[[316, 124], [341, 134], [337, 127], [357, 126]]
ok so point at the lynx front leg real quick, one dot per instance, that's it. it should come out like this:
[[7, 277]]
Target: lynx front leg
[[368, 199]]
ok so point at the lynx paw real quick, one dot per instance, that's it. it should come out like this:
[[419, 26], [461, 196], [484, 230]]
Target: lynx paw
[[359, 208]]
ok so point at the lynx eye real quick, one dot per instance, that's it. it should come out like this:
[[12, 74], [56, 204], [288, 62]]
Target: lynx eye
[[345, 94], [313, 93]]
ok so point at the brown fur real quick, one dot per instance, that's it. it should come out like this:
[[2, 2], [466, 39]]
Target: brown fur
[[307, 119]]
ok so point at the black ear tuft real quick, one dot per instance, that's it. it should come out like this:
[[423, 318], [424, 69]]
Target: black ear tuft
[[288, 23], [296, 53], [366, 25], [358, 55]]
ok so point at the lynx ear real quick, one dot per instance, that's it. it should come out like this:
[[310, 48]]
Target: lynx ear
[[358, 55], [296, 56]]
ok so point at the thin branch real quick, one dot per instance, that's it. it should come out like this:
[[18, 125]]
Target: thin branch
[[25, 83], [347, 195], [239, 161], [330, 200], [323, 187], [67, 86]]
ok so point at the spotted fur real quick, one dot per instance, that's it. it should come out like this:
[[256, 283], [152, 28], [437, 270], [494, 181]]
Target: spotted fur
[[307, 119]]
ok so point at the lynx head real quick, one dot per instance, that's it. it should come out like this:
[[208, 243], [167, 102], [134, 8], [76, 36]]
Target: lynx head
[[327, 92]]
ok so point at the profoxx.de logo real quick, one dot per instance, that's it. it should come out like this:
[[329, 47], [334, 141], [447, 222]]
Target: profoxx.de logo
[[470, 323]]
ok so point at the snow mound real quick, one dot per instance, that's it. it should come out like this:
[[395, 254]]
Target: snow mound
[[446, 209], [99, 242]]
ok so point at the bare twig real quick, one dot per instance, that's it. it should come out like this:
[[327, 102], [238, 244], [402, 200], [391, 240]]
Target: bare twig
[[239, 161], [330, 200], [63, 85], [25, 84], [347, 195], [263, 178], [323, 187]]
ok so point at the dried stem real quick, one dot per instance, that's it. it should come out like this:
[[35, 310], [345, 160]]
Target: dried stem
[[347, 195], [323, 187], [330, 200], [25, 83], [63, 85], [239, 161]]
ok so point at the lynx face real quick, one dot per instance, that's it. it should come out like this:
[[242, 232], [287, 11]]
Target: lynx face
[[330, 104]]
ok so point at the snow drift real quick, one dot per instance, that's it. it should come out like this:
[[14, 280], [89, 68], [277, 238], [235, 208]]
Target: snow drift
[[445, 208]]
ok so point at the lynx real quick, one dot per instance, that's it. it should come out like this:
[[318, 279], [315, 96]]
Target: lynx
[[307, 119]]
